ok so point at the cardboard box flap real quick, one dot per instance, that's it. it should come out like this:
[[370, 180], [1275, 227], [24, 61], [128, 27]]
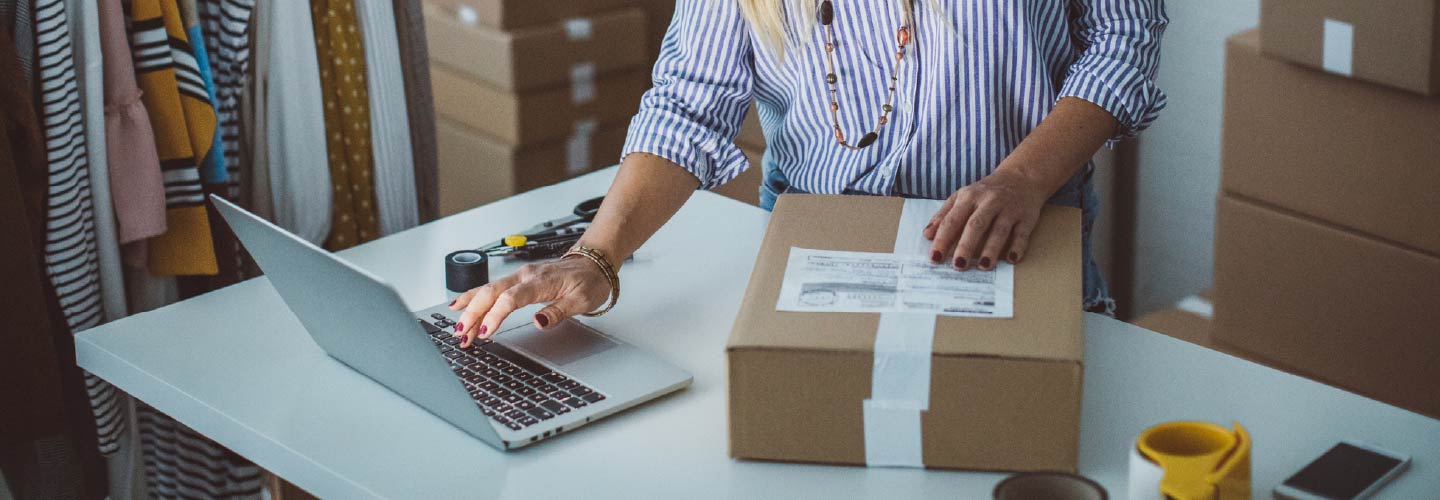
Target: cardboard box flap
[[1047, 318]]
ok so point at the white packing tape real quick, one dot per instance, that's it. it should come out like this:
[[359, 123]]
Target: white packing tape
[[900, 377], [577, 147], [467, 15], [1197, 305], [1338, 49], [582, 83], [578, 29]]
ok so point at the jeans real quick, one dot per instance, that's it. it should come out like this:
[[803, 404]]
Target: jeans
[[1078, 192]]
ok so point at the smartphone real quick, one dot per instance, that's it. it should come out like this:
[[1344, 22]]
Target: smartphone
[[1349, 470]]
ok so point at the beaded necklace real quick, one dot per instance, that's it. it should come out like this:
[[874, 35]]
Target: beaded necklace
[[826, 16]]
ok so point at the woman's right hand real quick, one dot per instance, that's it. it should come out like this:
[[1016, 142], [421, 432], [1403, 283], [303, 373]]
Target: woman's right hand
[[571, 286]]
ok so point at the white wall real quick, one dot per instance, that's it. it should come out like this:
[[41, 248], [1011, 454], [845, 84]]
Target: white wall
[[1179, 156]]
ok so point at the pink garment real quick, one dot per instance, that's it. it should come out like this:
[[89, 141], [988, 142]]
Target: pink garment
[[136, 186]]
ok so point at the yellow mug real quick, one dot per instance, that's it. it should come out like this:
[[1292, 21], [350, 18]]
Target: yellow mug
[[1201, 460]]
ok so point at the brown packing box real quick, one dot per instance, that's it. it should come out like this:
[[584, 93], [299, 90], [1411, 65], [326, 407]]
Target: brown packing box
[[538, 56], [1358, 155], [475, 169], [537, 116], [1004, 393], [1393, 42], [511, 14], [1338, 306], [1183, 325]]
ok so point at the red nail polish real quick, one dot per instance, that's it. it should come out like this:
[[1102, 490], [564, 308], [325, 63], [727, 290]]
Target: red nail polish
[[935, 257], [984, 263], [1014, 257], [482, 330], [459, 327], [960, 263], [452, 303], [542, 320]]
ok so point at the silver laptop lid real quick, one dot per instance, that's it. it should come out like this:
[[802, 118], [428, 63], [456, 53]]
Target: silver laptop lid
[[358, 319]]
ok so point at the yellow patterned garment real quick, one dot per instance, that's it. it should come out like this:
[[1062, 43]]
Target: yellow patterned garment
[[184, 123], [354, 219]]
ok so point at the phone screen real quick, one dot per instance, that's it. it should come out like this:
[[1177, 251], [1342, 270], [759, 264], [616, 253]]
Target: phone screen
[[1343, 472]]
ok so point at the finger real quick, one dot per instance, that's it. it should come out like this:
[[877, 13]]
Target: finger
[[560, 310], [1020, 241], [973, 235], [934, 224], [995, 242], [516, 297], [463, 299], [950, 227], [478, 305]]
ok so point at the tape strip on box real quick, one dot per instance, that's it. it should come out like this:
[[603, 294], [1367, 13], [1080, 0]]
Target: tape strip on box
[[577, 147], [582, 83], [1338, 49], [900, 377], [578, 29]]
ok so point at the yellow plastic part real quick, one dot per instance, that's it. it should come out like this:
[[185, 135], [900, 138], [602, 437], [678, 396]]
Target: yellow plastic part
[[1201, 460], [515, 240]]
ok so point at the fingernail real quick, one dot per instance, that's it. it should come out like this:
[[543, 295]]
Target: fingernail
[[1014, 257], [935, 257], [542, 320], [452, 303], [985, 263], [960, 263], [481, 333], [459, 327]]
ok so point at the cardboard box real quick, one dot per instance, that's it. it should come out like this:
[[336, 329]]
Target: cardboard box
[[1004, 393], [560, 53], [751, 135], [1183, 325], [1341, 307], [537, 116], [1390, 42], [475, 169], [1358, 155], [512, 14]]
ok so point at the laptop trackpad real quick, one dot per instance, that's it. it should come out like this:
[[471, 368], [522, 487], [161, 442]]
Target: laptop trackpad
[[566, 343]]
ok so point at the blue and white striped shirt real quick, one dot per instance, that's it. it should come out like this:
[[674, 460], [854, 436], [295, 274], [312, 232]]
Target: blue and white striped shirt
[[978, 76]]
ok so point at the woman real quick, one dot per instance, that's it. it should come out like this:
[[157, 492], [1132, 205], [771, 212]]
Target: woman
[[995, 105]]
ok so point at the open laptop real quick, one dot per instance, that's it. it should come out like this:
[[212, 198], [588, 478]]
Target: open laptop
[[523, 386]]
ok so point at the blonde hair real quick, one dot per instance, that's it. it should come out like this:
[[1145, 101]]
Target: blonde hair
[[767, 20]]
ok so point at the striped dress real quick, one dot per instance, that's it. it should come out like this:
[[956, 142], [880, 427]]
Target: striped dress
[[71, 254]]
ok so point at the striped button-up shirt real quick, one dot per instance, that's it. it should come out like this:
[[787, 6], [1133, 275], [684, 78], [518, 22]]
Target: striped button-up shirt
[[978, 76]]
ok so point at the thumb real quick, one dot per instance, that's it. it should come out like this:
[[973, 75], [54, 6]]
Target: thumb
[[567, 306]]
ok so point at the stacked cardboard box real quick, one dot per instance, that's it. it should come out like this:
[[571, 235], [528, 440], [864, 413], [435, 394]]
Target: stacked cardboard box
[[531, 92], [1327, 259]]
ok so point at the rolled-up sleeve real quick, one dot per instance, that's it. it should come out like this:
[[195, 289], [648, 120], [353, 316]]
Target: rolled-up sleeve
[[702, 86], [1120, 53]]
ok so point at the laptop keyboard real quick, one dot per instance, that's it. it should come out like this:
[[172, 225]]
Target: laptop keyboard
[[510, 387]]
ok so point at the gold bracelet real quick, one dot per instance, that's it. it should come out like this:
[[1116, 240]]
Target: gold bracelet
[[606, 269]]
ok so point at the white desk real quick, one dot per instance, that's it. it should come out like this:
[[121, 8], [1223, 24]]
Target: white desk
[[236, 366]]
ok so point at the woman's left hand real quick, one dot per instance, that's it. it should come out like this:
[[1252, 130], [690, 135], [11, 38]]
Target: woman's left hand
[[987, 220]]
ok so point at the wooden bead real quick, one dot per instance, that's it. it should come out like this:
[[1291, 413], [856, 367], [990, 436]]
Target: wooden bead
[[867, 140], [883, 119], [886, 108], [829, 47], [826, 13], [902, 36], [830, 78], [900, 55], [834, 106], [839, 136]]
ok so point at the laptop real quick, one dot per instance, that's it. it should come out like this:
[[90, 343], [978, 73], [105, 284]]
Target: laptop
[[521, 387]]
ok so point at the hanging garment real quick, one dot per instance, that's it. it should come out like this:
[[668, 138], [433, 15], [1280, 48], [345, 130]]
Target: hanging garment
[[91, 65], [212, 164], [136, 186], [20, 25], [341, 54], [414, 57], [390, 131], [184, 125], [182, 463], [227, 28], [71, 252], [47, 429], [294, 123]]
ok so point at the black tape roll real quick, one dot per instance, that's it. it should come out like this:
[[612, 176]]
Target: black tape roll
[[466, 269]]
